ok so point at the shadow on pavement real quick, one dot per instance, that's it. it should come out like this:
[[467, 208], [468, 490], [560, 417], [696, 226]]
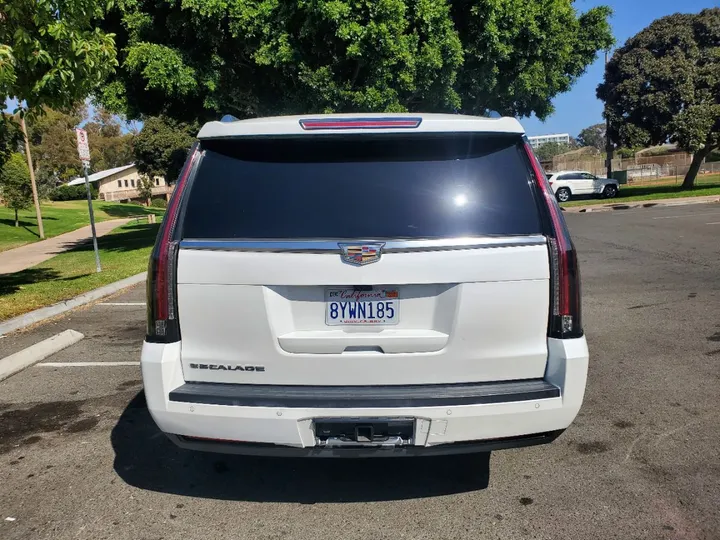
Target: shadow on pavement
[[146, 459]]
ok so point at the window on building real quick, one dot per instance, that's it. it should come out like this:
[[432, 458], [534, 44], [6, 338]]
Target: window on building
[[132, 182], [157, 181], [126, 184], [119, 183]]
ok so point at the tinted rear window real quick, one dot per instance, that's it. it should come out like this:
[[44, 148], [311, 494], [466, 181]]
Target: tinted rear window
[[362, 187]]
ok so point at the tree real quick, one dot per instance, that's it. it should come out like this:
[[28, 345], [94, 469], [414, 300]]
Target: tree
[[664, 84], [15, 184], [11, 138], [161, 147], [52, 53], [547, 151], [145, 186], [53, 146], [109, 147], [593, 136], [196, 60]]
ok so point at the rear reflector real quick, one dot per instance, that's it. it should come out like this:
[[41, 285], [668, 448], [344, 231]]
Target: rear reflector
[[565, 320], [359, 123]]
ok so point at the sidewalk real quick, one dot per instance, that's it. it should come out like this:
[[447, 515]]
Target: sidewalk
[[15, 260], [679, 201]]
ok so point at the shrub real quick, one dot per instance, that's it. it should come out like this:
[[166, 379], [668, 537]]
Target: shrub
[[626, 153], [158, 203], [72, 193]]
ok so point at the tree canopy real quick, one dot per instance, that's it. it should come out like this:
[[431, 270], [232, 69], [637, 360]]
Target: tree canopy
[[52, 52], [53, 146], [11, 137], [198, 59], [161, 147], [15, 184], [664, 85], [593, 136], [109, 146], [54, 150]]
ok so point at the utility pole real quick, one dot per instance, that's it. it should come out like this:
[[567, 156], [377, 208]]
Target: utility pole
[[608, 142], [41, 231]]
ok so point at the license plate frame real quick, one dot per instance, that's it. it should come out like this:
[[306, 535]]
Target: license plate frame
[[345, 296]]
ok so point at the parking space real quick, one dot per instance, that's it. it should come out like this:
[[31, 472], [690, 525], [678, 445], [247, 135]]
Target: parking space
[[80, 457]]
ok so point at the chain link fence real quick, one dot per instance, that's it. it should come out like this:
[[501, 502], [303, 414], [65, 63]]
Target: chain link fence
[[640, 169]]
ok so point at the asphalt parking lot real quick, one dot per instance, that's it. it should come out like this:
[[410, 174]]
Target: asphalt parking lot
[[80, 457]]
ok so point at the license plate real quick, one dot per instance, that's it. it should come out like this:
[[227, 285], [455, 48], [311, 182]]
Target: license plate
[[348, 306]]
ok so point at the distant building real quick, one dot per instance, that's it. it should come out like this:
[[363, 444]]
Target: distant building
[[122, 183], [562, 138]]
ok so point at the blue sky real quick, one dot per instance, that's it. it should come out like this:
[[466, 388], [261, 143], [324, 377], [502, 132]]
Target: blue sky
[[579, 107]]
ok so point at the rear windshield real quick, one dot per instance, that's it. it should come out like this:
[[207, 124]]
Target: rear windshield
[[362, 187]]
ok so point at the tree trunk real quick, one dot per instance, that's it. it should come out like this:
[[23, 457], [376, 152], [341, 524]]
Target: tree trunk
[[17, 222], [700, 155]]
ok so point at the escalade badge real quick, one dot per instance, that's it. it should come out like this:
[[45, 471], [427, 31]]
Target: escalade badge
[[361, 254]]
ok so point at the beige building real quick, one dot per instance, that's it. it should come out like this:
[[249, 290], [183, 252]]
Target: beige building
[[122, 183]]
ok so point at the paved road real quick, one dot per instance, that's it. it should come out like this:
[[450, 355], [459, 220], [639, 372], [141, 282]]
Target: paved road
[[81, 459], [20, 258]]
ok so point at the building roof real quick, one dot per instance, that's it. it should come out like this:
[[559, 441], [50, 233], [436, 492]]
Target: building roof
[[96, 177], [293, 125]]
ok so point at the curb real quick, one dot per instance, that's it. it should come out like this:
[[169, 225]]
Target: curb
[[641, 204], [41, 314], [10, 365]]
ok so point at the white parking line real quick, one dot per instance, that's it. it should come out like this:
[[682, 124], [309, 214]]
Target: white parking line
[[86, 364], [688, 215], [713, 223], [123, 303]]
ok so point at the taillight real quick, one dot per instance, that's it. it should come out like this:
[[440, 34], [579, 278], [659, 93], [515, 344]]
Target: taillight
[[565, 313], [162, 319]]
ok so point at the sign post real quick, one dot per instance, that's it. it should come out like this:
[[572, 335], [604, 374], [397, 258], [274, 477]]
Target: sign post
[[84, 153]]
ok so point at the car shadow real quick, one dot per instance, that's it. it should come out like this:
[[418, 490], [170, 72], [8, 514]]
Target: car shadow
[[146, 459]]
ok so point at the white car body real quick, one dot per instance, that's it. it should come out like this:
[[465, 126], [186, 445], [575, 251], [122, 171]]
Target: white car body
[[581, 183], [248, 356]]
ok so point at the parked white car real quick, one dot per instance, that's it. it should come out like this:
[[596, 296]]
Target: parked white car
[[567, 184], [363, 285]]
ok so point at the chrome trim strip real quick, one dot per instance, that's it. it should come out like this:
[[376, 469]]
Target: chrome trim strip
[[391, 246]]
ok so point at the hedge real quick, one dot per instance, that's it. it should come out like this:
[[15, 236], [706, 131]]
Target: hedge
[[72, 193]]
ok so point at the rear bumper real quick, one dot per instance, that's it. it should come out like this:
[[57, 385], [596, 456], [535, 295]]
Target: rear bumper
[[479, 417], [273, 450]]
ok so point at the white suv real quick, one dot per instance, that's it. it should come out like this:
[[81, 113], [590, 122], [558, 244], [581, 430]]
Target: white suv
[[363, 285], [566, 184]]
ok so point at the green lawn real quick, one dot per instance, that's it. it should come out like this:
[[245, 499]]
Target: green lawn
[[708, 185], [61, 217], [123, 253]]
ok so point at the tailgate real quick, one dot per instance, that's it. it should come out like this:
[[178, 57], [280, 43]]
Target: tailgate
[[464, 315]]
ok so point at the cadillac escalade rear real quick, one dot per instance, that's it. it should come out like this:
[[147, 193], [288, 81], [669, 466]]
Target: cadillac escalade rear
[[362, 285]]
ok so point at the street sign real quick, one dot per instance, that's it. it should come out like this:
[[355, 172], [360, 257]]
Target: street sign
[[82, 144], [84, 153]]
